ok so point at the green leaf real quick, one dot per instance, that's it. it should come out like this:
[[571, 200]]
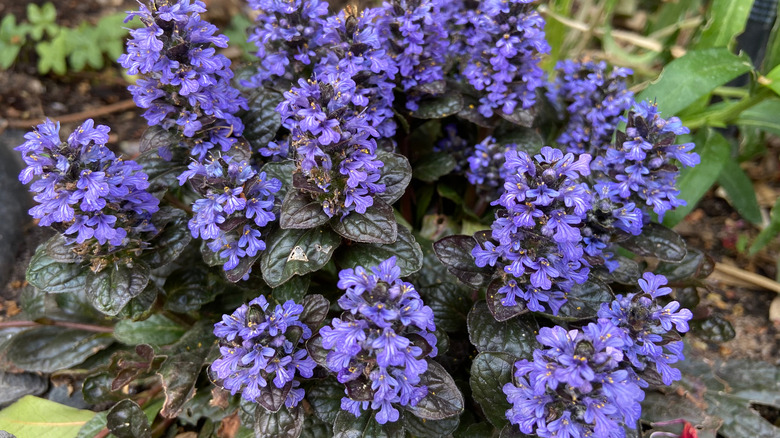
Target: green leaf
[[261, 121], [82, 50], [768, 233], [438, 107], [498, 310], [50, 348], [112, 288], [516, 336], [12, 38], [296, 252], [657, 241], [59, 251], [430, 428], [526, 139], [293, 289], [396, 174], [726, 20], [325, 399], [584, 300], [489, 373], [695, 265], [377, 225], [299, 211], [52, 54], [691, 76], [157, 330], [520, 116], [93, 426], [433, 166], [450, 303], [443, 400], [14, 386], [409, 256], [285, 423], [171, 241], [189, 288], [42, 19], [713, 329], [51, 276], [181, 368], [127, 420], [455, 253], [762, 116], [40, 418], [365, 426], [283, 171]]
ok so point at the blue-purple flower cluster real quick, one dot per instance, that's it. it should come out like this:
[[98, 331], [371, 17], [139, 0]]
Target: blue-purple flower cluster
[[335, 142], [236, 203], [286, 35], [576, 388], [381, 339], [419, 40], [594, 102], [85, 190], [539, 243], [651, 331], [503, 41], [638, 167], [256, 350], [456, 146], [184, 85], [486, 166]]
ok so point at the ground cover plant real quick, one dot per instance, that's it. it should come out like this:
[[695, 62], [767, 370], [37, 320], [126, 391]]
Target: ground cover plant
[[406, 219]]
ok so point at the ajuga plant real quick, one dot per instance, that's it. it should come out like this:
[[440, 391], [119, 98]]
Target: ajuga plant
[[327, 291]]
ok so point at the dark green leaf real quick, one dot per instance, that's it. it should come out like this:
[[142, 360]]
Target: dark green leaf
[[97, 389], [471, 113], [499, 311], [285, 423], [317, 352], [127, 420], [692, 76], [189, 288], [272, 398], [315, 309], [657, 241], [489, 373], [430, 428], [740, 191], [299, 211], [14, 386], [261, 121], [713, 329], [433, 166], [283, 171], [584, 300], [478, 430], [726, 20], [377, 225], [409, 256], [455, 253], [447, 192], [112, 288], [243, 268], [141, 306], [694, 182], [174, 237], [768, 233], [520, 116], [181, 368], [92, 427], [325, 398], [695, 265], [516, 336], [293, 289], [450, 303], [627, 271], [365, 426], [526, 139], [296, 252], [438, 107], [59, 251], [443, 400], [51, 276], [49, 348], [313, 427], [512, 431], [157, 330], [396, 174]]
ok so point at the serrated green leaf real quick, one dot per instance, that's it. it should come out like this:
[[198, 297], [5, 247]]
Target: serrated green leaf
[[49, 348], [365, 426], [691, 76], [325, 399], [285, 423], [112, 288], [377, 225], [261, 121], [300, 212], [768, 233], [455, 253], [450, 303], [489, 373], [516, 336], [443, 400], [40, 418], [156, 330], [396, 174], [419, 427], [409, 256], [127, 420], [296, 252], [433, 166], [584, 300], [726, 20], [51, 276], [657, 241]]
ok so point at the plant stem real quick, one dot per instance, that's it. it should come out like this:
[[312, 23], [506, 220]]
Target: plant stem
[[74, 325]]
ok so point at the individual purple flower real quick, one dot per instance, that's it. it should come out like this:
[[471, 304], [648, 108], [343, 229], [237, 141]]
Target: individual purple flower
[[381, 340], [255, 351], [236, 204], [486, 166], [536, 243], [98, 199], [651, 330], [575, 387], [503, 42], [184, 84]]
